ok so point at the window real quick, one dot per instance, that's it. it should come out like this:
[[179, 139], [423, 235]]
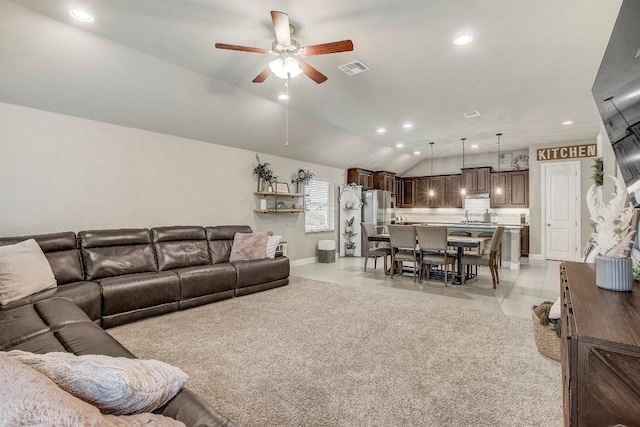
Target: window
[[319, 206]]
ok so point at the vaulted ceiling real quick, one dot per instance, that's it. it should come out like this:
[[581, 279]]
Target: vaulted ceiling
[[152, 64]]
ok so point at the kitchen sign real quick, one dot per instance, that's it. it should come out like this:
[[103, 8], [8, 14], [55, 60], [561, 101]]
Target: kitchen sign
[[568, 152]]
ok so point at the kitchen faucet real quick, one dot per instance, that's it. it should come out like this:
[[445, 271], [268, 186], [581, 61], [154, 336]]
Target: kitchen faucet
[[466, 217]]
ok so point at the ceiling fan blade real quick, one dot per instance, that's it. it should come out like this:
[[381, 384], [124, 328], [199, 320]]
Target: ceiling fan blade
[[323, 49], [241, 48], [281, 27], [262, 76], [312, 73]]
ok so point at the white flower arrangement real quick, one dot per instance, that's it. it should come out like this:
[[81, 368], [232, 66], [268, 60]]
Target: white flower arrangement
[[613, 233]]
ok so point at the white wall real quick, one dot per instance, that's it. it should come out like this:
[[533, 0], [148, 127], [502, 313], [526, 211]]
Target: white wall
[[60, 173], [452, 165]]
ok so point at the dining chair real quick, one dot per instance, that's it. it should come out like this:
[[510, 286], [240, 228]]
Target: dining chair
[[433, 250], [403, 247], [490, 260], [489, 235], [374, 250]]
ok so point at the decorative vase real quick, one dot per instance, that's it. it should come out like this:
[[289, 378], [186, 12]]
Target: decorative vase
[[348, 229], [614, 274], [298, 187], [260, 183], [349, 251]]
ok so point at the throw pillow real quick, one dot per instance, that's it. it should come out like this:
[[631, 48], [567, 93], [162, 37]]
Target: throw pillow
[[554, 312], [116, 385], [28, 397], [248, 246], [24, 270], [272, 245]]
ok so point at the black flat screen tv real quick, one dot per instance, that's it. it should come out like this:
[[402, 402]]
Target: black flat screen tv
[[616, 91]]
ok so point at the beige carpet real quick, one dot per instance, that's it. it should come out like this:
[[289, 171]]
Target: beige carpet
[[323, 354]]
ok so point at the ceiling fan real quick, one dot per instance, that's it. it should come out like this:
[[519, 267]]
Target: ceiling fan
[[288, 51]]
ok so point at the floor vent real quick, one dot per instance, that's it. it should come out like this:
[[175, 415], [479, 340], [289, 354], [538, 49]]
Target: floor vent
[[472, 114], [353, 68]]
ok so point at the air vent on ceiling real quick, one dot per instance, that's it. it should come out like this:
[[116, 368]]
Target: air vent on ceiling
[[637, 54], [472, 114], [353, 68]]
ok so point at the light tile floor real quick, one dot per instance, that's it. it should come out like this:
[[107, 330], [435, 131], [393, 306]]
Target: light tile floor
[[534, 282]]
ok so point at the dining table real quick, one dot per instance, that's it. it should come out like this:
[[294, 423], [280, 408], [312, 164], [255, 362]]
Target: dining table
[[459, 242]]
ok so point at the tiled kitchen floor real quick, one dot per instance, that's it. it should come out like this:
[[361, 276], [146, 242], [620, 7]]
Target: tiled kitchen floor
[[534, 282]]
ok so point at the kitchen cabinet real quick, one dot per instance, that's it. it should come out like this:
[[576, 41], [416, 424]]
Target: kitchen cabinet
[[405, 192], [599, 349], [360, 177], [476, 180], [383, 180], [452, 198], [524, 241], [514, 187]]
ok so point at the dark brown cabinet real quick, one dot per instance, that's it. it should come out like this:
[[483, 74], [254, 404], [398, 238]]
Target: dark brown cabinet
[[405, 192], [383, 180], [524, 241], [476, 180], [452, 197], [360, 177], [510, 189], [600, 351]]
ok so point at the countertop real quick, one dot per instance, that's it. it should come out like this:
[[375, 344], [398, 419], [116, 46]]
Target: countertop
[[462, 225]]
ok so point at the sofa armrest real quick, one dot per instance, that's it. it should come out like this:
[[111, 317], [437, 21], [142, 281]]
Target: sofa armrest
[[190, 409]]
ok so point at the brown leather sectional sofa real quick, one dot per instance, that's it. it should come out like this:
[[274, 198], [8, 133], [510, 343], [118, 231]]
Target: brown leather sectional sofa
[[110, 277]]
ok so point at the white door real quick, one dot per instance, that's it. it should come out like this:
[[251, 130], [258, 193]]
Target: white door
[[562, 210]]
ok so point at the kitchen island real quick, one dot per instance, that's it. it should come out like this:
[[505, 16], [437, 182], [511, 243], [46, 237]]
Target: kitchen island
[[510, 240]]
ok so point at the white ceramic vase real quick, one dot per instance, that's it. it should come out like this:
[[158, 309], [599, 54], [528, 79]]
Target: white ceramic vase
[[614, 274]]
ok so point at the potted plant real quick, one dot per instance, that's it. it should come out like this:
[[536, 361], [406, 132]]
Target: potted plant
[[349, 245], [264, 174], [348, 225], [302, 178], [612, 237]]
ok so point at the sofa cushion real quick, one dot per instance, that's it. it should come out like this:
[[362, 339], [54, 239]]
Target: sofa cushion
[[61, 252], [24, 270], [86, 295], [181, 246], [53, 406], [272, 245], [206, 280], [220, 240], [248, 246], [135, 291], [261, 271], [115, 385]]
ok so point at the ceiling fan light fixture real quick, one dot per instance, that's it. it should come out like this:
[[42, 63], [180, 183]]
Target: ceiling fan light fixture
[[285, 68]]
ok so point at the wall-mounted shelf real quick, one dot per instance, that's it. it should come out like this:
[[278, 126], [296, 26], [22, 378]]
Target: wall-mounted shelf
[[278, 210], [269, 193], [275, 209]]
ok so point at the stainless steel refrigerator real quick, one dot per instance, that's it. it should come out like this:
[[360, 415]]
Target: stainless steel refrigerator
[[378, 208]]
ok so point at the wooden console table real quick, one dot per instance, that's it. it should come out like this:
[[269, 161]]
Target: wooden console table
[[600, 351]]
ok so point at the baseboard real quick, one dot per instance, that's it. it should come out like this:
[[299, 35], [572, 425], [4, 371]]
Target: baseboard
[[536, 257], [304, 261]]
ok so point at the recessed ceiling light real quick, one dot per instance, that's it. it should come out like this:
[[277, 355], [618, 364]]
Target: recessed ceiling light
[[381, 130], [417, 153], [567, 122], [474, 146], [283, 96], [81, 15], [399, 145], [407, 125], [462, 40]]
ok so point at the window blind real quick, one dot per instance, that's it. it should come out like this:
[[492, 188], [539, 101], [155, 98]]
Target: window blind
[[319, 206]]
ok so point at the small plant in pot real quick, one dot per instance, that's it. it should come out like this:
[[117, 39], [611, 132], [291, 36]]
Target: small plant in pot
[[349, 246], [348, 225], [612, 237]]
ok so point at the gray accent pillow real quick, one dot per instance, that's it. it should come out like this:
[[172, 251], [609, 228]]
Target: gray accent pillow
[[248, 246], [29, 398], [115, 385], [24, 270]]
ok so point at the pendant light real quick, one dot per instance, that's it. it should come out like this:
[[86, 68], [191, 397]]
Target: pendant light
[[431, 192], [463, 191], [498, 189]]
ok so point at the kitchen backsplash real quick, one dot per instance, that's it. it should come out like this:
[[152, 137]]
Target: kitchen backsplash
[[476, 212]]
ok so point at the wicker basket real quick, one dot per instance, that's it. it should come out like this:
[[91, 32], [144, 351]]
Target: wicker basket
[[547, 341]]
